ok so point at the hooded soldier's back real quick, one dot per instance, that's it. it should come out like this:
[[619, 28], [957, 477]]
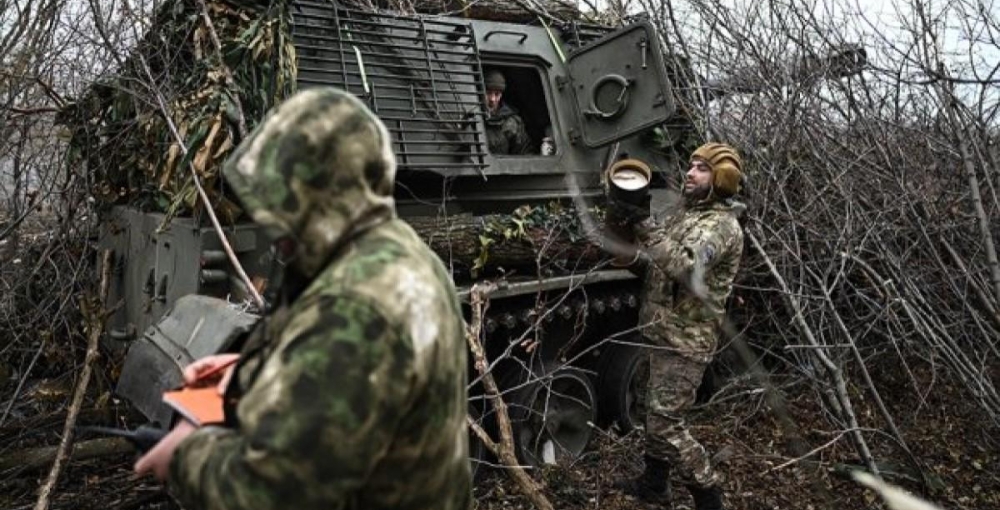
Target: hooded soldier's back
[[353, 389]]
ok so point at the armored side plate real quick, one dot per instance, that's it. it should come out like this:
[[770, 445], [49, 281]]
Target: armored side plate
[[195, 327]]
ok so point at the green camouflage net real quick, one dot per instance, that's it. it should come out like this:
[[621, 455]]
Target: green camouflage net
[[119, 134]]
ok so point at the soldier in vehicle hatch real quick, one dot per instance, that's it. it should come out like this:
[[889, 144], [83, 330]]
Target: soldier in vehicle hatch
[[688, 265], [505, 129], [351, 391]]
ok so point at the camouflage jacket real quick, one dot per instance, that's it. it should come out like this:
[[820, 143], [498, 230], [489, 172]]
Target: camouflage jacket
[[506, 133], [354, 389], [688, 264]]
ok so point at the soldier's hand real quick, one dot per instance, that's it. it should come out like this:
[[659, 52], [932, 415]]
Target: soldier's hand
[[157, 460], [627, 257], [195, 373]]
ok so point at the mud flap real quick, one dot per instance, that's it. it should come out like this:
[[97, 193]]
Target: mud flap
[[195, 327]]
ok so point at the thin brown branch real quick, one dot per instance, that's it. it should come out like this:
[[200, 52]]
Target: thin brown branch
[[233, 259], [504, 448], [95, 324]]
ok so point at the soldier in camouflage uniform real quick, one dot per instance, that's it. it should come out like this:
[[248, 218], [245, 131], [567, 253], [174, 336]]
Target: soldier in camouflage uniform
[[505, 131], [352, 391], [688, 265]]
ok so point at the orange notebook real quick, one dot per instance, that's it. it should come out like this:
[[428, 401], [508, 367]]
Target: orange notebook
[[200, 406]]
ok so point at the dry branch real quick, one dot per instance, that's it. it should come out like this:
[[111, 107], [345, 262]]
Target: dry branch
[[838, 381], [96, 318], [504, 448], [196, 181]]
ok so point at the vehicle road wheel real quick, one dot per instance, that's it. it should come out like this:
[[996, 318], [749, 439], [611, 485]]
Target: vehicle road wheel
[[552, 416], [623, 376]]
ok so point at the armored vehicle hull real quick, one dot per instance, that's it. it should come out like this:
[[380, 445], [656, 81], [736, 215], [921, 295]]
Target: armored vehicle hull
[[561, 326]]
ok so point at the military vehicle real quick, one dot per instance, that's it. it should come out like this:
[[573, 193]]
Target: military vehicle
[[561, 325]]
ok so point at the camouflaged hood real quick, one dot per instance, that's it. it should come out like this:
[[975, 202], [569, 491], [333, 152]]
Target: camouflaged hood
[[319, 169]]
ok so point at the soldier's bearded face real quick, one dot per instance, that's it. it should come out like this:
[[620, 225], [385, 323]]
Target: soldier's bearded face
[[698, 180], [493, 100]]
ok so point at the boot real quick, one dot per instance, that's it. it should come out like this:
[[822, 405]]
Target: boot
[[706, 498], [651, 486]]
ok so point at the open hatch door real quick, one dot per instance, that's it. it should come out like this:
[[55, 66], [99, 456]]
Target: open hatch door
[[620, 85]]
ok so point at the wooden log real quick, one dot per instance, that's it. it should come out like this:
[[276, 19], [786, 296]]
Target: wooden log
[[10, 431], [468, 242]]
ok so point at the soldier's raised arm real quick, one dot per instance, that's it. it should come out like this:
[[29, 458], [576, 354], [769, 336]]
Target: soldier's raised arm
[[710, 238]]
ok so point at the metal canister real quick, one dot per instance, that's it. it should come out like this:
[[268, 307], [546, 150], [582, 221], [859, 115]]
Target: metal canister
[[548, 146], [628, 192], [628, 182]]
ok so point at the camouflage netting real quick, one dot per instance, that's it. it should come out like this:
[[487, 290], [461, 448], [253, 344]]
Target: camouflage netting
[[119, 135], [494, 10], [120, 139]]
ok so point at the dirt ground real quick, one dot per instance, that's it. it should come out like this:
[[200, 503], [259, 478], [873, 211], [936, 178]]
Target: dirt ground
[[957, 452], [958, 455]]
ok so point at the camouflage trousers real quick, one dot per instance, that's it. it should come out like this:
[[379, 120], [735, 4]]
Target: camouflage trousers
[[673, 383]]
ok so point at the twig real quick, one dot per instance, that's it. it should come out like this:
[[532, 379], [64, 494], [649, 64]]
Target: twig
[[808, 454], [504, 449], [97, 318], [35, 110], [846, 409], [20, 384], [480, 432]]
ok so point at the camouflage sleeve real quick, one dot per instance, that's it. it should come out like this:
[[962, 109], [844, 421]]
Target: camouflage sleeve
[[644, 231], [325, 407], [699, 249], [520, 142]]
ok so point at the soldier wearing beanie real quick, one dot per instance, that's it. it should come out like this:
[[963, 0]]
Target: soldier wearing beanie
[[688, 264], [505, 131]]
